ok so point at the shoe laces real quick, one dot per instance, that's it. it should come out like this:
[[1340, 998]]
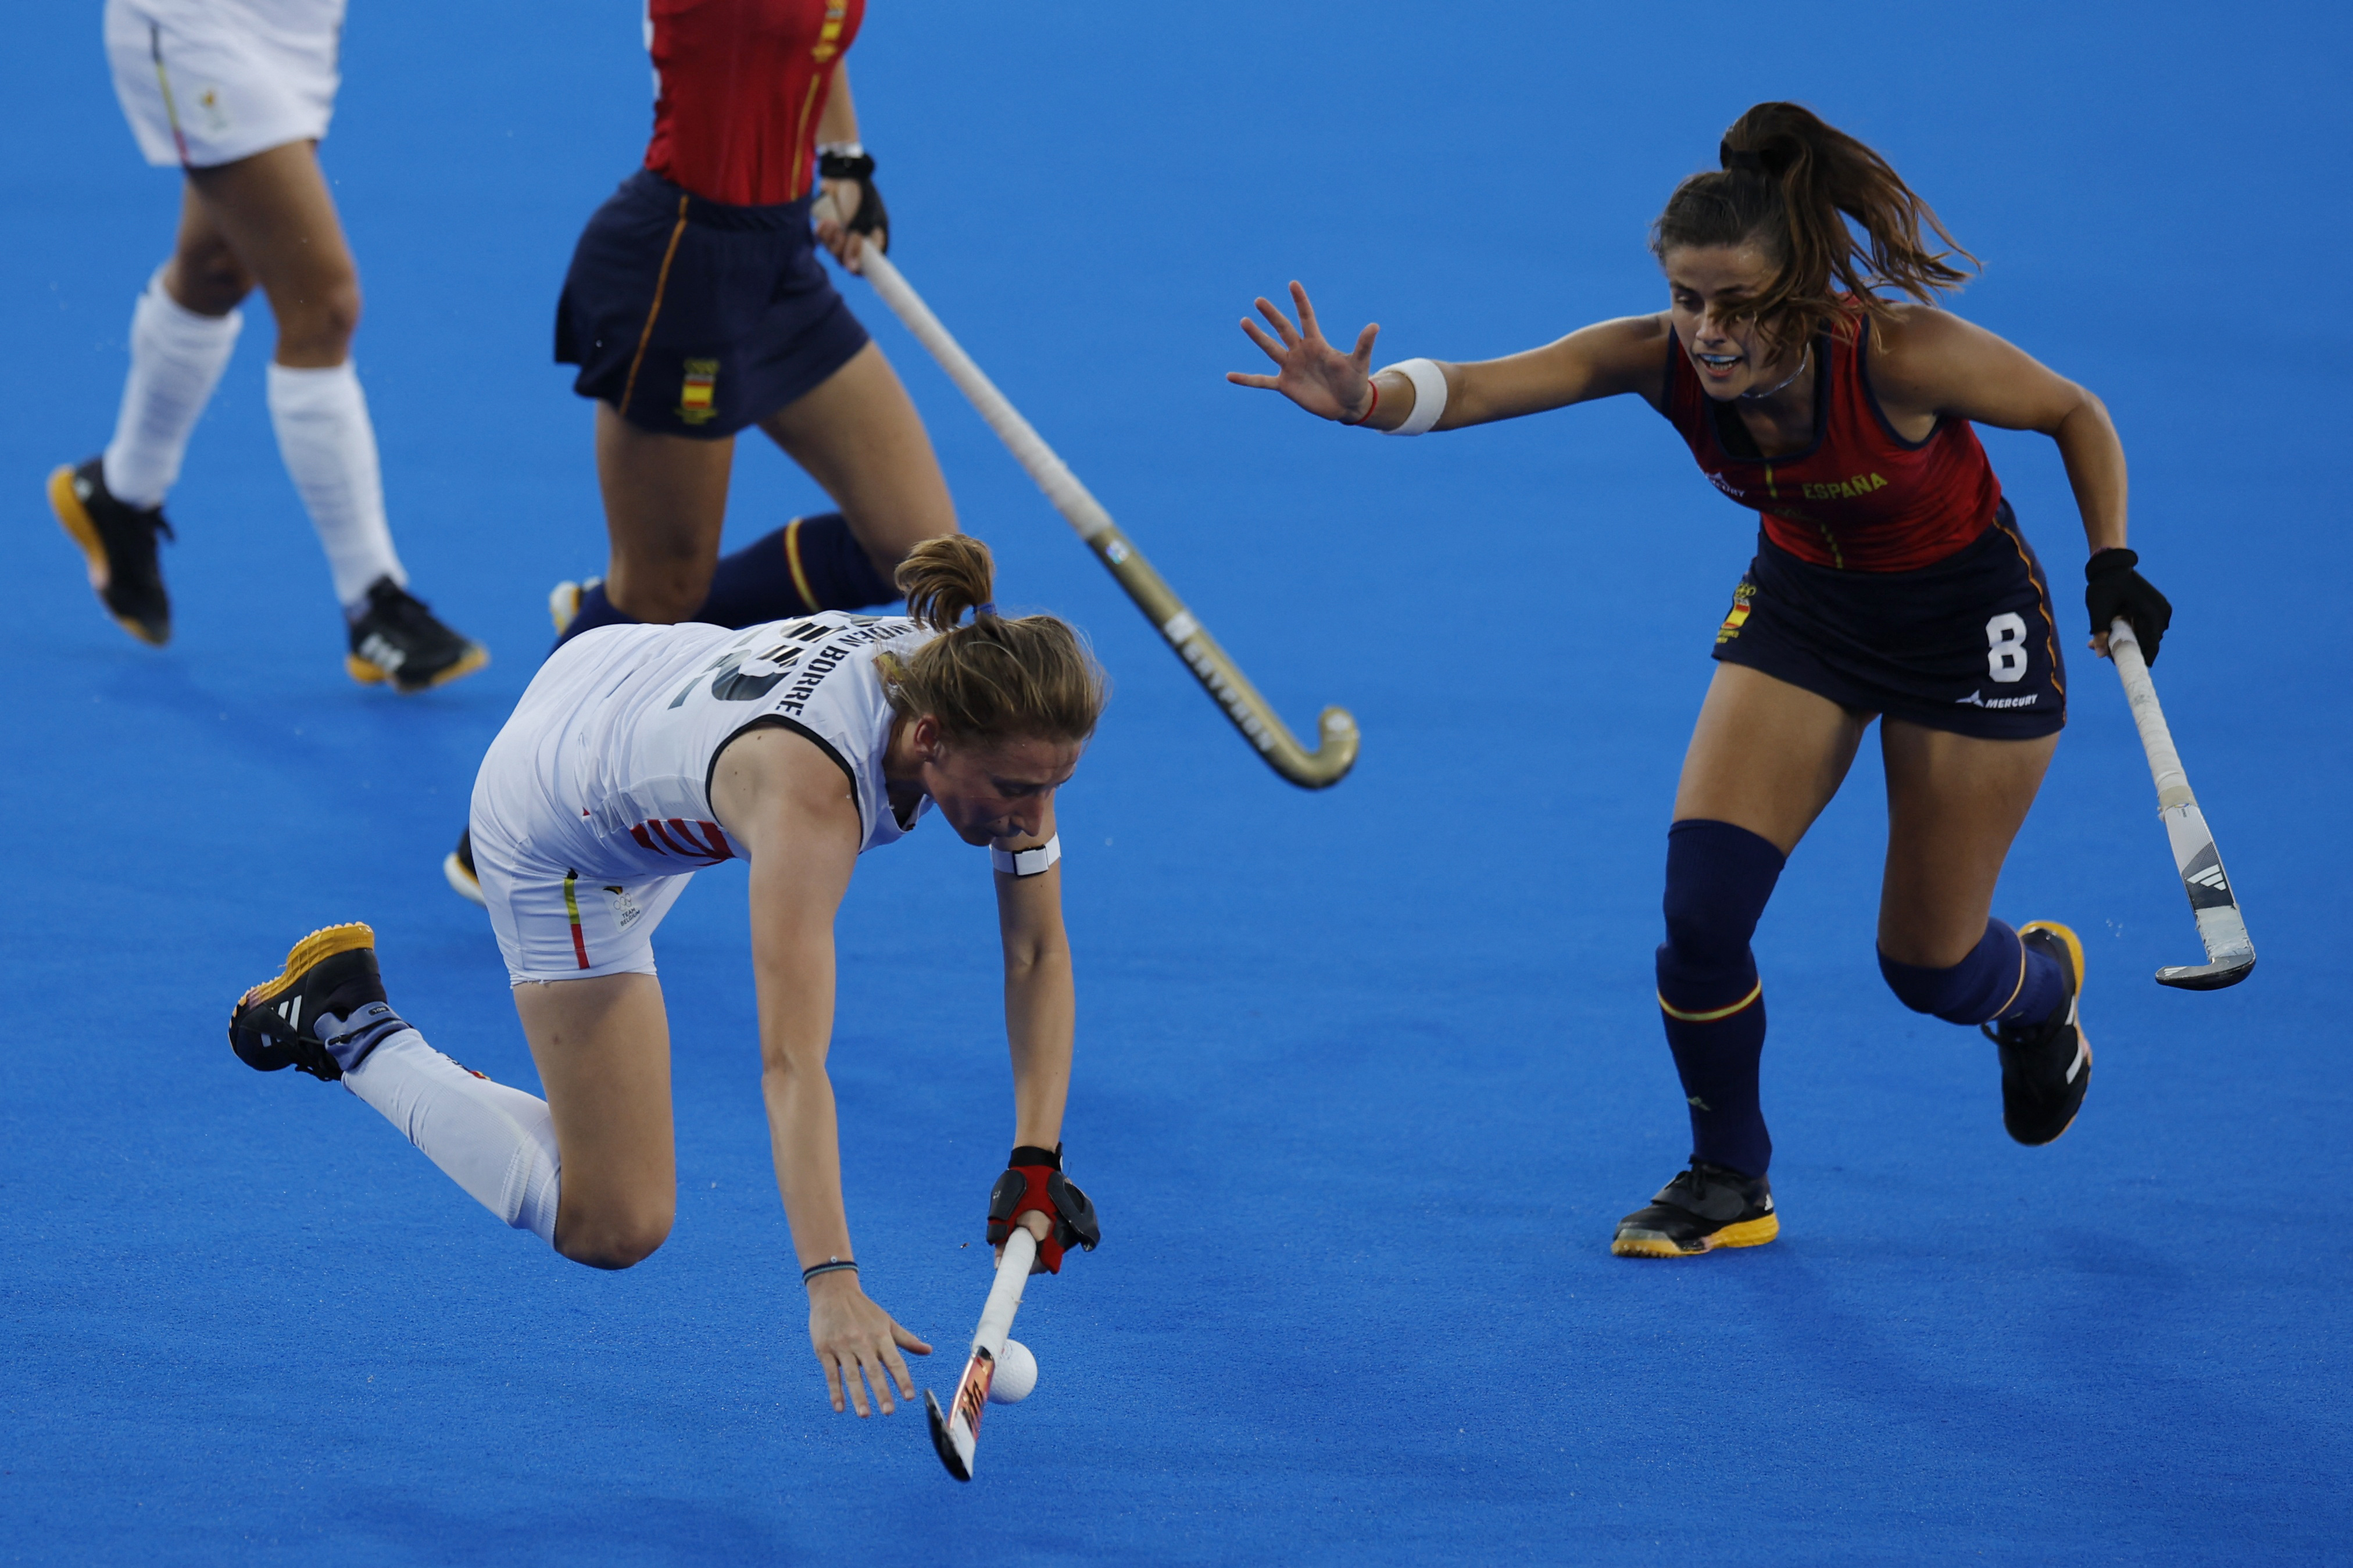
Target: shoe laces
[[399, 610]]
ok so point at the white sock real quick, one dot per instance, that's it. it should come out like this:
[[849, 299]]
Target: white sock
[[177, 360], [329, 450], [499, 1143]]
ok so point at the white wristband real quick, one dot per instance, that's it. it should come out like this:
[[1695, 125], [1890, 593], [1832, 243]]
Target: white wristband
[[1429, 394], [1026, 862]]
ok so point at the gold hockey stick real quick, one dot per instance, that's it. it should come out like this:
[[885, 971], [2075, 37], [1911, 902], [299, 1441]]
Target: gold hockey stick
[[1329, 762]]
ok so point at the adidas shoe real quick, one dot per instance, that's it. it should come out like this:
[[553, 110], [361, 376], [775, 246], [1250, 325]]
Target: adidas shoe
[[325, 1012], [398, 640], [118, 541], [1705, 1207], [458, 866], [2045, 1067], [564, 601]]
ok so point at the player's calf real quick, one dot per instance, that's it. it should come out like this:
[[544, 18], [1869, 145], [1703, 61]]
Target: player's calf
[[2020, 987]]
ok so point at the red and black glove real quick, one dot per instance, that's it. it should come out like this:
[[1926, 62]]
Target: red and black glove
[[1033, 1181]]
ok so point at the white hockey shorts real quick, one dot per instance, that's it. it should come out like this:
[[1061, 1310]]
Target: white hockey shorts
[[555, 916], [207, 82]]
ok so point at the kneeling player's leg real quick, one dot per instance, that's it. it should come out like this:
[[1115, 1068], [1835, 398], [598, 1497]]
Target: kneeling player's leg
[[327, 1013], [1954, 803], [858, 435], [603, 1049], [665, 504]]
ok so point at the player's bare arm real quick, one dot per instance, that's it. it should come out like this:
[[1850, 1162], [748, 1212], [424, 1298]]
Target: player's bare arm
[[1040, 1001], [788, 804], [1601, 361], [1040, 1005], [1933, 364]]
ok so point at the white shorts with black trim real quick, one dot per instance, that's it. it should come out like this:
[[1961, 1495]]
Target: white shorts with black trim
[[207, 82]]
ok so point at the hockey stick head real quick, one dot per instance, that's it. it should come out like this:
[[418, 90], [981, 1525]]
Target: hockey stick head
[[940, 1441], [2207, 976]]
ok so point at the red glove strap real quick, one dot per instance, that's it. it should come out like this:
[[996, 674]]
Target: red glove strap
[[1033, 1198]]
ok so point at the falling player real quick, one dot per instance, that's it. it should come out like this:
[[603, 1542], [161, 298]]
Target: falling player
[[1891, 580], [237, 98], [641, 754]]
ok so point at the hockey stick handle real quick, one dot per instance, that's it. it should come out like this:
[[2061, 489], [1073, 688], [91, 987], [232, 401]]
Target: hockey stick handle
[[1338, 739], [1005, 1295], [2156, 738]]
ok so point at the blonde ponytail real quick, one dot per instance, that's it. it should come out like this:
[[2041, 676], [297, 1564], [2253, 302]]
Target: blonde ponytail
[[993, 678]]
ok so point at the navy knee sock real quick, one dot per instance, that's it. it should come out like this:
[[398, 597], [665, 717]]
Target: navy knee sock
[[1719, 879], [2002, 979], [810, 564], [595, 610]]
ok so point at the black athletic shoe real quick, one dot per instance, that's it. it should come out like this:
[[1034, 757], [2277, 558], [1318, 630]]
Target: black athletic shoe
[[396, 640], [2046, 1067], [325, 1012], [458, 866], [1703, 1209], [119, 543]]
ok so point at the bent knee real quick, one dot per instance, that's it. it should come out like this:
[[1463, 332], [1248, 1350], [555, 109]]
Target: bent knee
[[207, 278], [317, 326], [615, 1241]]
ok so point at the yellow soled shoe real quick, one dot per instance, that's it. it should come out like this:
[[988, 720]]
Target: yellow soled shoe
[[396, 640], [324, 1012], [117, 546], [2046, 1067], [1705, 1207]]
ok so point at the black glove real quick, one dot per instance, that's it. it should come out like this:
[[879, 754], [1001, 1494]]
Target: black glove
[[1033, 1179], [2115, 589], [872, 219]]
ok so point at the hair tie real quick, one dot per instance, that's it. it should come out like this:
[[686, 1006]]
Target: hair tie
[[988, 608]]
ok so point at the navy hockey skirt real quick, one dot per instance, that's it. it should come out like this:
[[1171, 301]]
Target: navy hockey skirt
[[694, 318]]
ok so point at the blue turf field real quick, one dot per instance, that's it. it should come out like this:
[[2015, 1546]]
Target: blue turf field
[[1365, 1077]]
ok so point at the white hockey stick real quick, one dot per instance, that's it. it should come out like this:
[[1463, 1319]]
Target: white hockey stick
[[2230, 951], [957, 1433], [1335, 750]]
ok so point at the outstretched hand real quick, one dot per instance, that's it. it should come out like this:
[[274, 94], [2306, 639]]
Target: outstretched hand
[[1309, 369], [851, 1335]]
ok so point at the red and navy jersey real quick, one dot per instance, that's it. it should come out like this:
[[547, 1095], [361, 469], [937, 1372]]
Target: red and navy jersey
[[742, 86], [1860, 498]]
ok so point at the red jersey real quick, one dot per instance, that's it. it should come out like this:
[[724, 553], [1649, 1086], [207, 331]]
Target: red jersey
[[741, 87], [1860, 498]]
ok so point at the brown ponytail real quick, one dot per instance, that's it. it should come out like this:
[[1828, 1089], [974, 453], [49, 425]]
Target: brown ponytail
[[993, 678], [1788, 185]]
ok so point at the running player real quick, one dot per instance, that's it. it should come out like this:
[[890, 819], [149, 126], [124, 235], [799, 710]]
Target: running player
[[696, 308], [641, 754], [1891, 580], [236, 96]]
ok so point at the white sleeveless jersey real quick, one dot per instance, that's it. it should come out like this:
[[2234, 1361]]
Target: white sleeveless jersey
[[625, 723]]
